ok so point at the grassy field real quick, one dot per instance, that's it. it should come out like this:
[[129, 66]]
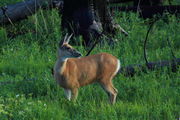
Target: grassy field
[[29, 92]]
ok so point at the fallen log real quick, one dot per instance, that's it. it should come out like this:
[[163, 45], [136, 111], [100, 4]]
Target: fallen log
[[149, 11], [131, 70], [21, 10]]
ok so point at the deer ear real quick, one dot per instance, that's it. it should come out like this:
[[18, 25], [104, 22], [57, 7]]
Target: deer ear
[[63, 40], [68, 39]]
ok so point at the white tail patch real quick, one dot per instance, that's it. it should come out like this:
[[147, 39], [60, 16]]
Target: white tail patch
[[118, 67]]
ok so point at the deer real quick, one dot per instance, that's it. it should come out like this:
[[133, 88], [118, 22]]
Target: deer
[[72, 70]]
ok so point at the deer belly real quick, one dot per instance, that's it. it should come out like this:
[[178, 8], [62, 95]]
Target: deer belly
[[87, 78]]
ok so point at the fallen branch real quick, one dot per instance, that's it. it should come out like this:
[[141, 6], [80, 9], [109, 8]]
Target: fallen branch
[[21, 10], [131, 70], [149, 11]]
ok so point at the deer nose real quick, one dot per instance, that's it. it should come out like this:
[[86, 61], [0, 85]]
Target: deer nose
[[77, 54]]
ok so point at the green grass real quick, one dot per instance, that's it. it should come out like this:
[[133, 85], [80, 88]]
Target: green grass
[[26, 62]]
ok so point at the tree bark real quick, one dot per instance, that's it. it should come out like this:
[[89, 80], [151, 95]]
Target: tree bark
[[21, 10]]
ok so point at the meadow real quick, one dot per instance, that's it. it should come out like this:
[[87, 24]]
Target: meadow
[[29, 92]]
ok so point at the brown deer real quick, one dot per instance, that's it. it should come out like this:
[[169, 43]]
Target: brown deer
[[72, 71]]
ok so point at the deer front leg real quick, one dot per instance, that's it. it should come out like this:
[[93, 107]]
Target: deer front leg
[[67, 94], [74, 93]]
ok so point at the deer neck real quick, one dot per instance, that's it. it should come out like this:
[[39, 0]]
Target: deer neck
[[62, 59], [60, 64]]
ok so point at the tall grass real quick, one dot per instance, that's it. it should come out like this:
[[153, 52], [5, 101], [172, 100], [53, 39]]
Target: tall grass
[[26, 62]]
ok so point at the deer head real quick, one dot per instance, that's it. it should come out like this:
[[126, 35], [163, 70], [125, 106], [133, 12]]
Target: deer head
[[65, 50]]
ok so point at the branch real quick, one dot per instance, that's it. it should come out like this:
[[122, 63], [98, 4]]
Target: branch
[[150, 11], [21, 10], [131, 70]]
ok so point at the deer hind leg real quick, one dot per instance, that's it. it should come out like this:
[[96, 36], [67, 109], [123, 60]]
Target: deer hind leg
[[111, 91]]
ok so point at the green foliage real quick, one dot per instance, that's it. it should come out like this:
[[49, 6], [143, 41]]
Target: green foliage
[[29, 92], [3, 37]]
